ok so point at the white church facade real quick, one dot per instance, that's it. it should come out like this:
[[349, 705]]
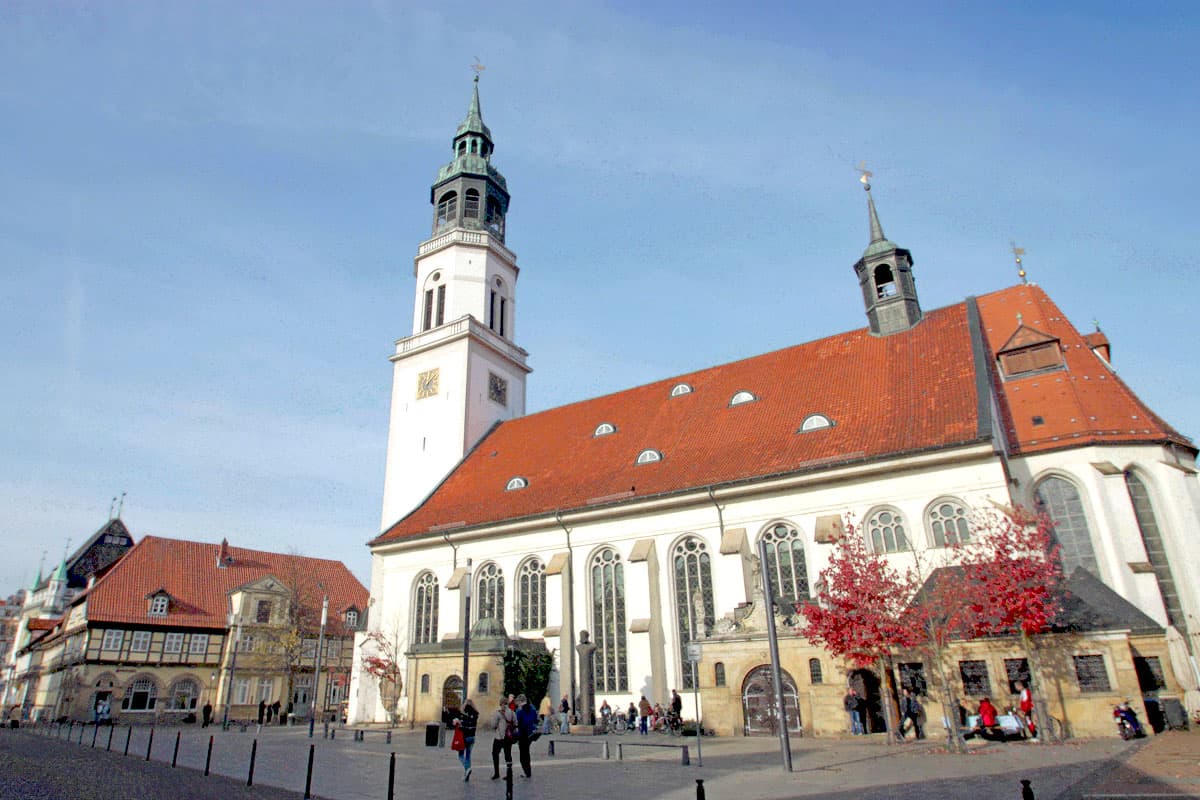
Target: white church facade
[[636, 516]]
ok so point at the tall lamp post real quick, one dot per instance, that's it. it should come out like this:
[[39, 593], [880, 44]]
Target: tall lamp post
[[312, 706], [234, 621], [466, 631]]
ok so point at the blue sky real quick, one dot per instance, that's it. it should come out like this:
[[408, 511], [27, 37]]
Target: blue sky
[[208, 214]]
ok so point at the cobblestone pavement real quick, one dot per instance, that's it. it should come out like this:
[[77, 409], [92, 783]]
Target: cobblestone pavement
[[36, 766]]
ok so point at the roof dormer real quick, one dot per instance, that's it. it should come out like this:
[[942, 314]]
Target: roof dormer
[[1029, 351]]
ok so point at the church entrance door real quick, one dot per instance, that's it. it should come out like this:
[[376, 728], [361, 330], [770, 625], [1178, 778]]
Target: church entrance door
[[760, 714], [866, 683], [451, 697]]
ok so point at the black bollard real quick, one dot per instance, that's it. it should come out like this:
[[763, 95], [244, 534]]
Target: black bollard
[[81, 734], [150, 743], [333, 734], [392, 778], [325, 735], [312, 748], [1026, 790], [389, 737], [699, 789], [71, 730], [110, 735], [508, 782], [95, 733], [253, 753], [312, 723], [175, 755], [208, 758], [128, 736]]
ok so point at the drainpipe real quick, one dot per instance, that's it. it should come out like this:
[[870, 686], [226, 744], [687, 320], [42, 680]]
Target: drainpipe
[[720, 513], [569, 650]]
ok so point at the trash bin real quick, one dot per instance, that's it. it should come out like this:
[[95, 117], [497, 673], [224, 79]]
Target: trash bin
[[432, 731]]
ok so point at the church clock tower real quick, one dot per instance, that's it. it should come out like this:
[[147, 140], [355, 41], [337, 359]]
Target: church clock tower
[[460, 371]]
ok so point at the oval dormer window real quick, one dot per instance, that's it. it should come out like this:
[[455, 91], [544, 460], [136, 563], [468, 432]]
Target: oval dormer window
[[815, 422], [604, 429], [681, 389], [649, 457], [516, 483], [742, 397]]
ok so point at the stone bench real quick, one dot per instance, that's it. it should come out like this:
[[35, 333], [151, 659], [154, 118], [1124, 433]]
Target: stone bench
[[684, 760]]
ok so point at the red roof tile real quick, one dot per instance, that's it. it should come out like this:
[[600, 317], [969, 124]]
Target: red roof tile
[[1087, 403], [198, 587], [42, 623]]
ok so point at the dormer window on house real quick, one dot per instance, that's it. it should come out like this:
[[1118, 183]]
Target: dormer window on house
[[649, 457], [515, 484], [681, 389], [352, 618], [1030, 351], [159, 604], [815, 422], [742, 397], [604, 429]]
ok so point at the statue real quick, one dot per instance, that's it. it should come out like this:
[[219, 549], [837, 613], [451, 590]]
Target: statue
[[587, 678]]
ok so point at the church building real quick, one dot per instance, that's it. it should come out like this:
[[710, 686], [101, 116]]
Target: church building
[[635, 518]]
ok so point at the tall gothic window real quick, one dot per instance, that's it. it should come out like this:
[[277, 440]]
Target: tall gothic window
[[947, 522], [887, 531], [693, 597], [531, 595], [1143, 510], [786, 563], [1060, 500], [425, 609], [608, 621], [489, 594]]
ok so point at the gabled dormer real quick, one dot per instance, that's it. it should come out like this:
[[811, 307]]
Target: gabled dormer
[[1029, 352], [158, 603]]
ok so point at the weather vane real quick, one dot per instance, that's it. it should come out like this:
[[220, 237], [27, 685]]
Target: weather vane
[[1017, 253], [477, 68], [864, 175]]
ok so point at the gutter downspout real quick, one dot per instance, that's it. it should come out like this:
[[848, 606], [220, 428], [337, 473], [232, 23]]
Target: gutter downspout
[[569, 651], [720, 514]]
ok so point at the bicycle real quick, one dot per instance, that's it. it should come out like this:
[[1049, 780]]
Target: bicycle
[[615, 723], [669, 725]]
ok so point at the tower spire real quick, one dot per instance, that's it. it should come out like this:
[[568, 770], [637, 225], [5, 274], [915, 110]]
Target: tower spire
[[876, 228], [885, 276]]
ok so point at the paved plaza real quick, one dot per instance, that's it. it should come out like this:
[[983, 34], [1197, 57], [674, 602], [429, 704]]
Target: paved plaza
[[33, 765]]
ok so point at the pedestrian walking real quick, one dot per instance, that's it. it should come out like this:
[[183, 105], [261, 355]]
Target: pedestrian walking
[[564, 710], [910, 710], [504, 728], [1025, 706], [853, 705], [644, 711], [526, 728], [262, 711], [466, 723], [547, 713]]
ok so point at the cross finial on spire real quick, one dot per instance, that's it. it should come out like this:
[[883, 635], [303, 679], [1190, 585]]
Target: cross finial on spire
[[478, 68], [1017, 253], [864, 175]]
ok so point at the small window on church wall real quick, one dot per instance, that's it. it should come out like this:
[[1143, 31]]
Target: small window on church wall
[[516, 483], [681, 389], [742, 397], [649, 456], [425, 683], [604, 429], [815, 422], [719, 674], [814, 671], [885, 282]]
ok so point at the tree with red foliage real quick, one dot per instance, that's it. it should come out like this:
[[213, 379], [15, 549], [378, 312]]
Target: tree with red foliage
[[860, 613], [382, 661], [1015, 578]]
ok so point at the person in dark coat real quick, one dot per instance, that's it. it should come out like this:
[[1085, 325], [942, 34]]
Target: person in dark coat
[[206, 715], [262, 711], [910, 709], [468, 720], [526, 727]]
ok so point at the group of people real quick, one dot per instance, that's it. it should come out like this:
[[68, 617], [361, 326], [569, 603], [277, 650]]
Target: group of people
[[269, 712], [645, 716], [515, 720]]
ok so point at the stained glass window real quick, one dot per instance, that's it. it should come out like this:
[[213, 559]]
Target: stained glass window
[[1143, 511], [608, 621], [693, 597], [786, 563], [425, 609], [489, 594], [948, 523], [1060, 499], [531, 595], [887, 532]]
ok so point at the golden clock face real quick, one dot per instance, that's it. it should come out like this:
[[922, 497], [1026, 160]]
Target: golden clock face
[[427, 383]]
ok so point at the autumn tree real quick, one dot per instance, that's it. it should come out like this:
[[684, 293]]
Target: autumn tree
[[382, 659], [861, 608]]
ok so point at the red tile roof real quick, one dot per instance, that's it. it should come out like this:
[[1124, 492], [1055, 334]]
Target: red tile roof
[[1087, 403], [198, 587], [42, 623], [888, 396]]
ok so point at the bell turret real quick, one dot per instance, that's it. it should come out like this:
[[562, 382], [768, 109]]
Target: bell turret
[[885, 276]]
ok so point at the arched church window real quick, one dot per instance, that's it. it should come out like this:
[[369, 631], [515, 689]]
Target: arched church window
[[885, 281], [947, 522], [1060, 500], [425, 609], [719, 673], [887, 531], [462, 147], [815, 675], [471, 204], [447, 208], [693, 597], [786, 563], [531, 595], [608, 621], [489, 593], [1143, 511]]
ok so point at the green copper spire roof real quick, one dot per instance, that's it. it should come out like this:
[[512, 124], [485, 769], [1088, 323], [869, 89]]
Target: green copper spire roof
[[879, 242], [474, 121], [60, 574]]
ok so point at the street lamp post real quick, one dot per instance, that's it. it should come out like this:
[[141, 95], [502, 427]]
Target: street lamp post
[[466, 631], [312, 706], [235, 620]]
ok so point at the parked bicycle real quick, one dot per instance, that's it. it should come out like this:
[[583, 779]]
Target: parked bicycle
[[615, 723], [670, 724]]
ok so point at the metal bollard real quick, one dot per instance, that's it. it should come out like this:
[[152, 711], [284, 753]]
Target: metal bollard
[[80, 734], [175, 754], [253, 753], [95, 733], [620, 752], [1026, 790], [699, 789], [325, 735], [607, 751], [71, 730], [312, 749], [208, 758], [508, 781], [150, 743], [312, 723], [128, 736], [685, 760], [551, 748], [110, 735], [389, 737], [392, 778]]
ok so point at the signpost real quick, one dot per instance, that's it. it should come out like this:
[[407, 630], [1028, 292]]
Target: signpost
[[693, 656]]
